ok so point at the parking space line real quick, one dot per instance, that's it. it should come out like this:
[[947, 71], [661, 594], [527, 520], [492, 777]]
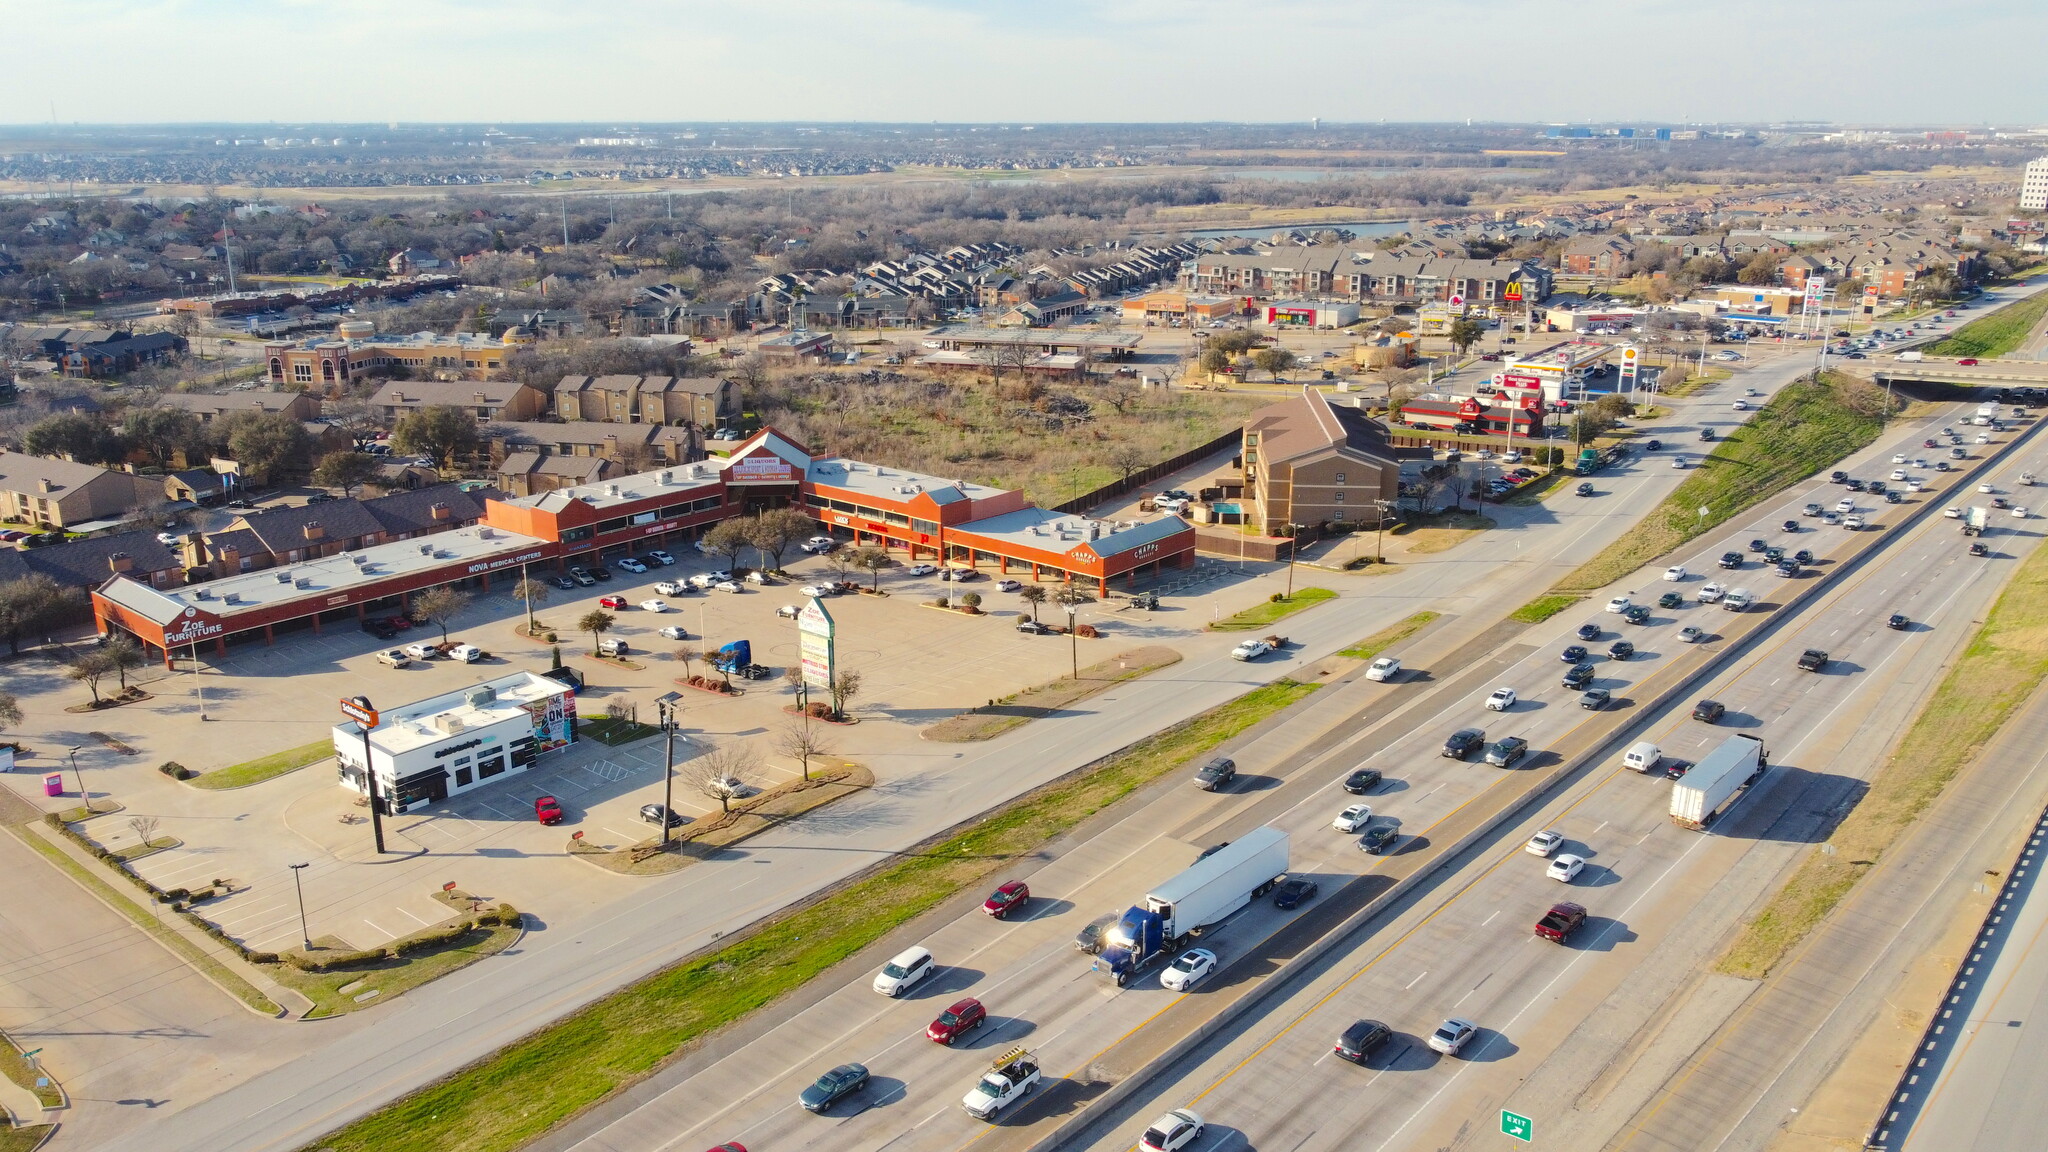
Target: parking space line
[[379, 928], [408, 912]]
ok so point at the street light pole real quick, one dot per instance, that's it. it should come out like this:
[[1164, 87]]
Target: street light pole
[[1293, 546], [1073, 641], [370, 782], [84, 797], [666, 704], [305, 935]]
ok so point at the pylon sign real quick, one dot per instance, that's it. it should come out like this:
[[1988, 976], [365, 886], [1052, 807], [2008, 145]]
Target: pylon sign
[[1629, 357]]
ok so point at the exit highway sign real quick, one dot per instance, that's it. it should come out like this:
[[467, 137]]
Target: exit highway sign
[[1520, 1127]]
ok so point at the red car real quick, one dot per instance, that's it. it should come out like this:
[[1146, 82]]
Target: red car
[[399, 622], [735, 1146], [547, 810], [957, 1021], [1971, 362], [611, 602], [1007, 899]]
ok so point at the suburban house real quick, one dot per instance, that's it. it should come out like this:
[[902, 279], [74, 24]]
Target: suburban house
[[483, 399], [62, 493], [1604, 256], [298, 405], [1308, 460], [703, 400], [634, 447], [277, 536], [531, 473], [197, 485]]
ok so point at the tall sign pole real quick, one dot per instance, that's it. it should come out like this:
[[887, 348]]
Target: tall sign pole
[[816, 646], [360, 710]]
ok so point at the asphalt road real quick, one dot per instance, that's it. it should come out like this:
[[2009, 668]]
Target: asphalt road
[[1562, 1027], [1472, 955]]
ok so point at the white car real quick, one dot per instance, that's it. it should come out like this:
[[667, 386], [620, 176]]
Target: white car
[[1008, 585], [1740, 405], [1618, 604], [629, 564], [169, 539], [1566, 867], [1675, 573], [1987, 489], [2019, 513], [1250, 650], [671, 588], [789, 611], [1982, 438], [1852, 523], [1501, 700], [1172, 1132], [1353, 818], [757, 577], [1898, 457], [661, 557], [654, 606], [1189, 970], [1678, 462], [1952, 513], [1543, 843], [421, 651], [1898, 473], [728, 586], [673, 632], [905, 972], [921, 569], [1712, 593], [1915, 486], [820, 544], [1383, 669], [1845, 506], [817, 590], [466, 653], [1452, 1035]]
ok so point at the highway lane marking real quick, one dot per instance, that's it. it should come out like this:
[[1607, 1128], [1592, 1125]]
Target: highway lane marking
[[1489, 919], [1417, 980]]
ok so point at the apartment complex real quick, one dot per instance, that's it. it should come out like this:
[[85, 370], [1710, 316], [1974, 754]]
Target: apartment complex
[[2034, 186], [1309, 460], [706, 401], [1333, 270], [330, 362]]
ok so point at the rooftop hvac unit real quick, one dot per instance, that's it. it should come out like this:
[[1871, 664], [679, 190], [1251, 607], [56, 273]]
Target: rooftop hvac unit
[[667, 476], [201, 594], [303, 582], [232, 598], [479, 697], [483, 533], [426, 549], [283, 577], [358, 559], [611, 489]]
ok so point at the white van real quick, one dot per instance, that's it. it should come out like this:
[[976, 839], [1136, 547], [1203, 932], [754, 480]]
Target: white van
[[1642, 758], [904, 972]]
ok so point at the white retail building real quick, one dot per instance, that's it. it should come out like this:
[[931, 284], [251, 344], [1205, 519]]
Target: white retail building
[[2034, 186], [445, 745]]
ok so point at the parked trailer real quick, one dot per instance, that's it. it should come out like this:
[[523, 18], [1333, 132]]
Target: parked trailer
[[1183, 906], [1702, 794]]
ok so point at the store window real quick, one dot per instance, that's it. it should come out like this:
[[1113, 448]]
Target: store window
[[485, 769], [462, 778]]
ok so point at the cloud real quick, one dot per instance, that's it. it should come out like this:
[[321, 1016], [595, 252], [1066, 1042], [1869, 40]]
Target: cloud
[[655, 61]]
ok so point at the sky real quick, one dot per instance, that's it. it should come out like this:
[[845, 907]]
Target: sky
[[1024, 61]]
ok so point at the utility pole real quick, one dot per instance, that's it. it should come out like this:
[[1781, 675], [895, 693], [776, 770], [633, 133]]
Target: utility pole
[[84, 797], [305, 935], [360, 710], [666, 706]]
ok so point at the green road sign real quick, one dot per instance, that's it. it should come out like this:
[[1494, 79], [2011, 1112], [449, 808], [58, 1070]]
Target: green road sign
[[1520, 1127]]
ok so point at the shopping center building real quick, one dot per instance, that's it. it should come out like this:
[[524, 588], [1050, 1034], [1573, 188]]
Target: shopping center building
[[431, 749], [922, 517]]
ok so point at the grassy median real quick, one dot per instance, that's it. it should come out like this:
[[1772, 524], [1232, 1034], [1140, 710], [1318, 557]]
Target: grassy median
[[1997, 334], [511, 1097], [264, 768], [1370, 647], [1806, 427], [1262, 615], [2004, 663]]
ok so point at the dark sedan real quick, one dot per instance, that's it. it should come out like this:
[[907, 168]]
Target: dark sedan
[[1363, 780], [1897, 623], [1709, 711], [1621, 650], [1573, 654], [834, 1086], [1589, 631], [1464, 742], [1294, 893], [1594, 699], [658, 814]]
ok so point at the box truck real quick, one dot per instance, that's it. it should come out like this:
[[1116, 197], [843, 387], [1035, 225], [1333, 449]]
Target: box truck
[[1205, 894], [1701, 795]]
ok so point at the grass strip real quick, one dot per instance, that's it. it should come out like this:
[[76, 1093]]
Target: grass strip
[[614, 732], [191, 953], [2003, 664], [1803, 429], [18, 1069], [507, 1099], [23, 1139], [1370, 647], [1996, 334], [1543, 608], [264, 768], [393, 976], [1261, 615]]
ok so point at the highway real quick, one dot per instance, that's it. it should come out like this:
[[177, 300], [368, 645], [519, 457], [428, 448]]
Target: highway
[[1470, 954], [1572, 1036], [350, 1066]]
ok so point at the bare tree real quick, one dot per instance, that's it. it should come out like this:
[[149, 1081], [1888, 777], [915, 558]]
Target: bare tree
[[437, 606], [123, 653], [89, 669], [845, 686], [688, 656], [1127, 458], [530, 592], [802, 738], [723, 773], [1033, 595], [1118, 394], [872, 560], [145, 828]]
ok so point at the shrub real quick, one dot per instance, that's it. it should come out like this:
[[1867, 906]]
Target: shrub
[[1276, 598], [175, 895], [426, 941], [175, 770], [261, 957]]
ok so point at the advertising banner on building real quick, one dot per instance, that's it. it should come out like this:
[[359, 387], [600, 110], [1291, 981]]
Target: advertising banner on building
[[815, 634], [551, 720], [761, 468]]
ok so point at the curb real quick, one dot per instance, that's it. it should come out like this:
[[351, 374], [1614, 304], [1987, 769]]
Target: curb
[[1536, 791]]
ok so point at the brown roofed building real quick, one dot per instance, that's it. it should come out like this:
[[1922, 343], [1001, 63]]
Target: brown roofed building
[[59, 493], [1309, 461], [705, 400], [297, 405], [484, 399]]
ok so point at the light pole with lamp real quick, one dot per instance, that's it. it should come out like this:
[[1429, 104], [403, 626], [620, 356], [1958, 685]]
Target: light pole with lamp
[[1073, 641], [1293, 546], [360, 710], [666, 706], [84, 797], [305, 935], [1379, 549]]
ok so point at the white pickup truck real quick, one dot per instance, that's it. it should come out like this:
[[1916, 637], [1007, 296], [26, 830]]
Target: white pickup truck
[[1383, 669], [1011, 1078]]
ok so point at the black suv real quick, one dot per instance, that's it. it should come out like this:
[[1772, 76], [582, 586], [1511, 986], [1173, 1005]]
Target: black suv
[[1578, 676], [379, 629], [1361, 1040], [1731, 559], [1464, 742], [1378, 839], [1216, 774], [1621, 650], [1362, 781], [1709, 711], [1812, 660], [1898, 623]]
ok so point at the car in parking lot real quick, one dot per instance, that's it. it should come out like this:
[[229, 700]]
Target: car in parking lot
[[819, 545], [921, 569], [1361, 781], [582, 577], [656, 606], [1009, 585], [1506, 751], [673, 632], [613, 602], [671, 588], [661, 814], [380, 629], [629, 564], [817, 590], [422, 651], [660, 557], [394, 658]]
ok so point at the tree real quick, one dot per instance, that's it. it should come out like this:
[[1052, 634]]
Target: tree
[[437, 606], [1016, 355], [845, 686], [267, 443], [777, 530], [1464, 333], [88, 669], [1273, 361], [530, 592], [728, 538], [1127, 458], [347, 471], [1119, 394], [10, 710], [161, 433], [597, 622], [842, 562], [1213, 360], [1761, 268], [688, 656], [722, 772], [801, 739], [441, 432], [33, 602], [123, 654], [872, 560], [74, 436], [1033, 595]]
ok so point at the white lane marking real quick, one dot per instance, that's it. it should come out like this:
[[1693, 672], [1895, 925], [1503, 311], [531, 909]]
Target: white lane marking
[[1489, 919], [1417, 980]]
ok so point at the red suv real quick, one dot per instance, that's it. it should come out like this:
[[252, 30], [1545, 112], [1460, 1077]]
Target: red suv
[[1007, 899], [547, 810], [614, 602], [957, 1021]]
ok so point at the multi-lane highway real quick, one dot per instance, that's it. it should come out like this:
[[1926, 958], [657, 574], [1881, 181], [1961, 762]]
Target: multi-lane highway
[[1654, 889]]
